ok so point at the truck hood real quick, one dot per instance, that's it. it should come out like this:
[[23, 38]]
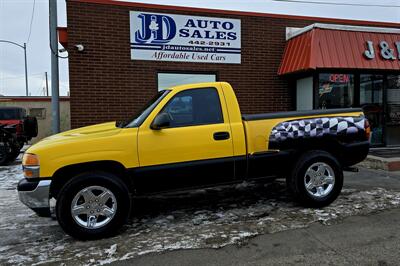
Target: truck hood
[[94, 129], [81, 134], [103, 142]]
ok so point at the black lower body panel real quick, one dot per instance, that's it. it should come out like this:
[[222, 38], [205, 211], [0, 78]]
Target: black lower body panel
[[270, 163], [183, 175]]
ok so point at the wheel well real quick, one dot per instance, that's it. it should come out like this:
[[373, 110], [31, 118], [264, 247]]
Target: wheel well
[[64, 174], [298, 148], [330, 146]]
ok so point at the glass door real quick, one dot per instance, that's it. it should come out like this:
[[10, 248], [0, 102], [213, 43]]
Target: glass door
[[392, 131], [371, 100]]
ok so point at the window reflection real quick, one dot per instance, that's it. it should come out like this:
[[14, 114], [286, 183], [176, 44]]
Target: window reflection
[[371, 100], [335, 91], [195, 107], [393, 110]]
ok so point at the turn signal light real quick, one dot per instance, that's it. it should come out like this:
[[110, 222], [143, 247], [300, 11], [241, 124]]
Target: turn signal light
[[30, 173], [30, 160], [30, 165]]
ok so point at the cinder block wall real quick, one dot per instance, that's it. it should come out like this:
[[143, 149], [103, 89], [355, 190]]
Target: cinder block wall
[[105, 84]]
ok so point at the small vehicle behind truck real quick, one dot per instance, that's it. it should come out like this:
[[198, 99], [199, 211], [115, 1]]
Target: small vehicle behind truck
[[187, 137], [16, 129]]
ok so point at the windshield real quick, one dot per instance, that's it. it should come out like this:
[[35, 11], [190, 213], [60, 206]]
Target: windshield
[[142, 114], [11, 114]]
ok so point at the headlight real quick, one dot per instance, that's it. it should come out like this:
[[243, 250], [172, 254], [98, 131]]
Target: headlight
[[30, 165]]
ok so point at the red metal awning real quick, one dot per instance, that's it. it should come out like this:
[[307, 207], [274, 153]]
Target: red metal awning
[[339, 48]]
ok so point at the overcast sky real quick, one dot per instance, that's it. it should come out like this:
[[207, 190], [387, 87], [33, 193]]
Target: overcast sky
[[15, 17]]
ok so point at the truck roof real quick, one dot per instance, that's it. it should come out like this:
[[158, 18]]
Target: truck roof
[[202, 85]]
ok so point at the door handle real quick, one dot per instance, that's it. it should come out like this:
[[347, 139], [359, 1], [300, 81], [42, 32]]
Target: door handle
[[221, 135]]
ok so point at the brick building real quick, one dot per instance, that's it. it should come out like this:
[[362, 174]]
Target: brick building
[[275, 64]]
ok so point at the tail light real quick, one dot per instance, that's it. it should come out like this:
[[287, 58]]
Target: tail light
[[19, 130], [367, 129]]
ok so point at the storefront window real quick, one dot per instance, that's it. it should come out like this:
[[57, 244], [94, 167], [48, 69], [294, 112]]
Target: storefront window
[[371, 100], [335, 91], [393, 110], [167, 80]]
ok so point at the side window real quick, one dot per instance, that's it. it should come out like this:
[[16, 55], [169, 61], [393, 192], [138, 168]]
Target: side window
[[194, 107]]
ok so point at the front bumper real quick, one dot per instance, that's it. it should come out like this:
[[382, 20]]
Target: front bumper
[[36, 195]]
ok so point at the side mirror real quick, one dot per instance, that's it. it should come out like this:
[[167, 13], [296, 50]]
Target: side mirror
[[161, 121]]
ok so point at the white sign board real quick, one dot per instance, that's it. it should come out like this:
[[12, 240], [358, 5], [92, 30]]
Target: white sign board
[[168, 37]]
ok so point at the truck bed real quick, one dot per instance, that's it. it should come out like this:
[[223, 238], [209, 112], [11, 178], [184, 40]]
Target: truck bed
[[319, 112], [281, 131]]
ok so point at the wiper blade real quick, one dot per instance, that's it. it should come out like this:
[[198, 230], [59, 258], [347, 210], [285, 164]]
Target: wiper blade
[[120, 123]]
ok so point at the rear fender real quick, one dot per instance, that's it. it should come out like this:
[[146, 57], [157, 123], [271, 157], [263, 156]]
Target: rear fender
[[344, 137]]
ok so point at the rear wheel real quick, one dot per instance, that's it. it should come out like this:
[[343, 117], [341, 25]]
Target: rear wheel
[[93, 205], [316, 179], [4, 152]]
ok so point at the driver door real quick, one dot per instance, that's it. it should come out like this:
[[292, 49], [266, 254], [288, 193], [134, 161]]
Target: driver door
[[195, 149]]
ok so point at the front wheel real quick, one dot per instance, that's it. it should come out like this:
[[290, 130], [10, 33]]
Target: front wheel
[[93, 206], [14, 153], [4, 152], [316, 179]]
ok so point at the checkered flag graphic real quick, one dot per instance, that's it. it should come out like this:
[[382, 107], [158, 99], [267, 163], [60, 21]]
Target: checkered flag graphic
[[317, 127]]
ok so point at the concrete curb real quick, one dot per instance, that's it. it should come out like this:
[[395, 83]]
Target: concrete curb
[[387, 164]]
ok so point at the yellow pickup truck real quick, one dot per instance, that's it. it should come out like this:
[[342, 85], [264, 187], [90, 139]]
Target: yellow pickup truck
[[186, 137]]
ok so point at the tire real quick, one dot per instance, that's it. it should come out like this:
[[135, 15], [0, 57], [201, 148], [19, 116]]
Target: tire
[[4, 153], [307, 173], [71, 194], [15, 151], [30, 126]]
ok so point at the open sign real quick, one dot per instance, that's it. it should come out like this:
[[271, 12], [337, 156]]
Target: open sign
[[339, 78]]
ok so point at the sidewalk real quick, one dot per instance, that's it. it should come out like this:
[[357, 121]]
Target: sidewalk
[[387, 159]]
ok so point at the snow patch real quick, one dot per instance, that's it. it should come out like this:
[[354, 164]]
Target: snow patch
[[208, 218]]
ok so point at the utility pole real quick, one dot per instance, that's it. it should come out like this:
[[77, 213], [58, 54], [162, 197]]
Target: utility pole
[[26, 63], [47, 84], [55, 104], [26, 71]]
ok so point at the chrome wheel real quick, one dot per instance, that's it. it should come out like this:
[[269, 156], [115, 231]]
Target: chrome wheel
[[319, 180], [93, 207]]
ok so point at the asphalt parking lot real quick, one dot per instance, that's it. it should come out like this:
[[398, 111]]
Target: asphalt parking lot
[[249, 223], [357, 240]]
